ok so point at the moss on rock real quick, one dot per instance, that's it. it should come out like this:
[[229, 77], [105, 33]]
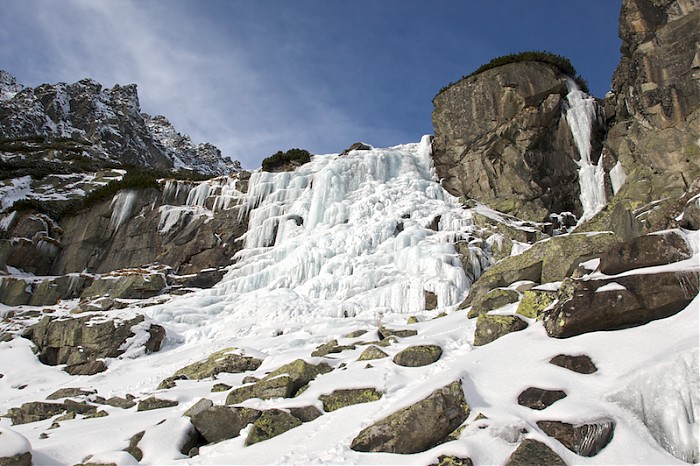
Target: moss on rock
[[534, 302], [494, 299], [417, 356], [347, 397], [490, 327], [271, 423], [372, 352], [221, 361]]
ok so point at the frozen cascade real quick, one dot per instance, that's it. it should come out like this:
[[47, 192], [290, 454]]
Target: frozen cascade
[[341, 235], [122, 206], [580, 114], [666, 399]]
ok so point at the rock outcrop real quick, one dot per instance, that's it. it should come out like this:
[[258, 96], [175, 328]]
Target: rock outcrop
[[501, 138]]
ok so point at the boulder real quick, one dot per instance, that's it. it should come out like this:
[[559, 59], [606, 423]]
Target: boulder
[[491, 327], [38, 410], [69, 392], [418, 427], [385, 332], [592, 305], [127, 285], [534, 302], [580, 363], [305, 413], [531, 452], [347, 397], [356, 146], [271, 423], [372, 352], [86, 368], [276, 387], [155, 403], [220, 387], [583, 439], [15, 291], [645, 251], [219, 423], [330, 347], [444, 460], [133, 448], [418, 355], [550, 260], [300, 373], [198, 407], [494, 299], [118, 402], [221, 361], [540, 398]]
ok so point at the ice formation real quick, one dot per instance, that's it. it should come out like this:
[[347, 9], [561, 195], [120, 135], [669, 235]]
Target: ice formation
[[580, 114], [122, 207], [342, 235]]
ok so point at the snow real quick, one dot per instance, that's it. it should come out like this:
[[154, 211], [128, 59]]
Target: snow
[[612, 286], [580, 114], [12, 443], [323, 258], [123, 204], [16, 189], [617, 177]]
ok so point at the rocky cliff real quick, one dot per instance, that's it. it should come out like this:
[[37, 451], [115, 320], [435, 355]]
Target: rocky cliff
[[104, 124]]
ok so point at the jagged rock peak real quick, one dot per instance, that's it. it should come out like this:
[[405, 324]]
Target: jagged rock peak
[[108, 122]]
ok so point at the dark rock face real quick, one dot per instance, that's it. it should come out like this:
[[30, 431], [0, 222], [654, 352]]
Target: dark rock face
[[417, 356], [629, 301], [646, 251], [531, 452], [418, 427], [105, 124], [490, 327], [581, 363], [500, 138], [585, 439], [223, 422], [539, 398], [80, 342]]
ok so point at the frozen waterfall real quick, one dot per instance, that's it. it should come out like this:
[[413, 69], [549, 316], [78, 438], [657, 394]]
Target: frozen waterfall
[[580, 115]]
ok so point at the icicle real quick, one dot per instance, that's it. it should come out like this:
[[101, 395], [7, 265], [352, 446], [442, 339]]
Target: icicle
[[122, 205], [580, 114]]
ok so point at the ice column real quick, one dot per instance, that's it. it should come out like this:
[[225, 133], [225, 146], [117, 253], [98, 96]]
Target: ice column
[[580, 114]]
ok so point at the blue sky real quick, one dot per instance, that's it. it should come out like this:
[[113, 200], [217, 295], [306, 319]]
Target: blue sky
[[256, 76]]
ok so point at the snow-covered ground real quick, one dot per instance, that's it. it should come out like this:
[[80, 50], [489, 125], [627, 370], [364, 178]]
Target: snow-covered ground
[[343, 244]]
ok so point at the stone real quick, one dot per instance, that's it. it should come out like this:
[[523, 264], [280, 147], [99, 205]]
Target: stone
[[86, 368], [412, 320], [15, 291], [534, 302], [492, 300], [170, 382], [491, 327], [133, 448], [583, 439], [219, 423], [69, 392], [271, 423], [531, 452], [300, 373], [385, 332], [347, 397], [305, 413], [127, 285], [372, 352], [500, 138], [324, 349], [276, 387], [356, 333], [444, 460], [198, 407], [34, 411], [418, 427], [626, 301], [155, 403], [540, 398], [221, 361], [645, 251], [220, 387], [20, 459], [156, 335], [118, 402], [691, 214], [580, 363], [417, 356], [550, 260], [431, 300], [356, 146], [96, 414]]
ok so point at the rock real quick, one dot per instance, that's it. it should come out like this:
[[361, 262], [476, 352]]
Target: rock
[[347, 397], [626, 301], [300, 373], [198, 407], [401, 333], [155, 403], [271, 423], [49, 292], [223, 422], [324, 349], [119, 402], [86, 368], [534, 302], [490, 327], [356, 146], [38, 411], [531, 452], [96, 414], [133, 448], [494, 299], [170, 382], [584, 439], [220, 387], [221, 361], [20, 459], [372, 352], [69, 392], [691, 214], [431, 300], [444, 460], [356, 333], [276, 387], [581, 363], [306, 413], [550, 260], [418, 427], [130, 285], [539, 398], [15, 291], [155, 340], [646, 251], [417, 356]]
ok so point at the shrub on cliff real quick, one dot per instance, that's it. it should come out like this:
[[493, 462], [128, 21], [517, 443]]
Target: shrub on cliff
[[562, 63], [279, 160]]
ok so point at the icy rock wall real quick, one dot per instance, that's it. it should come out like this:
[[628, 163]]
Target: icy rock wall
[[354, 230]]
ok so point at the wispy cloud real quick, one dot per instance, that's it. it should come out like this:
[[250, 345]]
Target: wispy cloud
[[186, 69]]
